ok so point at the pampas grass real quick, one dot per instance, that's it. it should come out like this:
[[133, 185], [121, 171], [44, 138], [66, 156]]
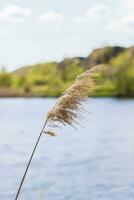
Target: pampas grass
[[67, 109]]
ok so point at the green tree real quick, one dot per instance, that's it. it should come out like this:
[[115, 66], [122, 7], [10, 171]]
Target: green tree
[[5, 80]]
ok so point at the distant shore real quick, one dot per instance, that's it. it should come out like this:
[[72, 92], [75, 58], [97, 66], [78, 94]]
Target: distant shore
[[51, 79], [8, 93]]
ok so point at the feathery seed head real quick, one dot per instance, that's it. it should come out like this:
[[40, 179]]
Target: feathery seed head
[[67, 108]]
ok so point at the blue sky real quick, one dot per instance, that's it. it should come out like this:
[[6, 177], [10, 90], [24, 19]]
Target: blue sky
[[33, 31]]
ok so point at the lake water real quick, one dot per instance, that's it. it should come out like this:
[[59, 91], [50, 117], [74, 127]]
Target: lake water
[[94, 163]]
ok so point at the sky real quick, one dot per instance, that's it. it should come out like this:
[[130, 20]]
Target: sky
[[33, 31]]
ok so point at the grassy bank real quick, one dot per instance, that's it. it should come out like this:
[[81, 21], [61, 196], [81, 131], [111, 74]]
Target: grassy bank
[[51, 79]]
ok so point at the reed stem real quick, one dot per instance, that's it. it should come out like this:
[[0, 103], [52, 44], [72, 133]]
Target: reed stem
[[30, 160]]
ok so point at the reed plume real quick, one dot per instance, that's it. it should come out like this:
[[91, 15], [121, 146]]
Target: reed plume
[[67, 109]]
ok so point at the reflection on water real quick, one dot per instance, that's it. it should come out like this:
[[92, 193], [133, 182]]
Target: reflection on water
[[94, 163]]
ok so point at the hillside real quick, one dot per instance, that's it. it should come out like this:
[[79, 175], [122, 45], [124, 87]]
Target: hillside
[[51, 79]]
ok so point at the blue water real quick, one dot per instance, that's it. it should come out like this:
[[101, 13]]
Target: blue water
[[94, 163]]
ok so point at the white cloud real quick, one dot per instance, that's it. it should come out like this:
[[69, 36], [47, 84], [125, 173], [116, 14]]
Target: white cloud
[[98, 11], [128, 22], [125, 24], [114, 26], [51, 17], [14, 14]]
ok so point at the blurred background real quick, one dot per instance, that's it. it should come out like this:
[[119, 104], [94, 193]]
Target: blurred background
[[44, 45]]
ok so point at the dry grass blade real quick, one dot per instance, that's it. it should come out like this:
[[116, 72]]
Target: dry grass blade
[[67, 108], [50, 133]]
